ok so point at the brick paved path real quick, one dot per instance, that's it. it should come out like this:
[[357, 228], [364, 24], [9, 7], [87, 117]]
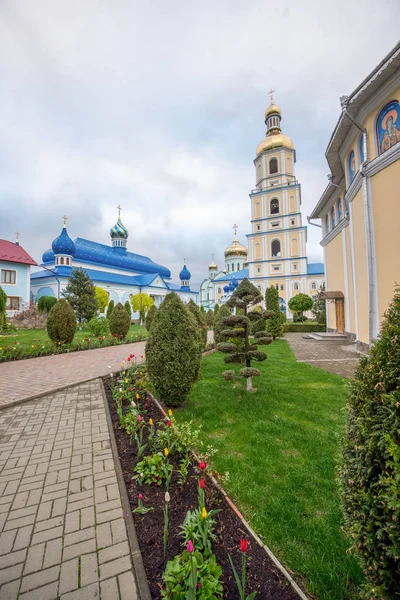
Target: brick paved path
[[63, 534], [28, 378], [336, 357]]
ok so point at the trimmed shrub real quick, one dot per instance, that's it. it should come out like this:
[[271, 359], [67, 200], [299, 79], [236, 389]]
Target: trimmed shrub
[[201, 323], [46, 303], [257, 324], [224, 311], [299, 304], [61, 323], [128, 309], [110, 308], [274, 324], [172, 351], [210, 319], [370, 469], [119, 321], [308, 327], [151, 313], [98, 326]]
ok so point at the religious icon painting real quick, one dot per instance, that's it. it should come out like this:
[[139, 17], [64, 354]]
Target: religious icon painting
[[388, 126]]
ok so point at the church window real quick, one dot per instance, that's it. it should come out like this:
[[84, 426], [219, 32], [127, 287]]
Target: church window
[[291, 204], [288, 165], [273, 166], [238, 266], [326, 224], [313, 285], [295, 247], [292, 222], [339, 210], [232, 266], [259, 173], [282, 286], [332, 217], [259, 288], [296, 286], [219, 290], [275, 224], [351, 166], [276, 267], [258, 269], [276, 248], [277, 286], [274, 206], [258, 227], [388, 126], [361, 149]]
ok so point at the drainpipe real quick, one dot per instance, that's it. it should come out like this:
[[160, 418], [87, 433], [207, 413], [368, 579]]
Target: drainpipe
[[368, 230], [315, 224]]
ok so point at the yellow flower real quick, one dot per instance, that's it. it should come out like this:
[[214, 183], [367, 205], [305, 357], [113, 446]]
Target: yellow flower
[[137, 396], [126, 380], [170, 413], [121, 365], [1, 348], [33, 345], [123, 372], [166, 451], [204, 512], [150, 420]]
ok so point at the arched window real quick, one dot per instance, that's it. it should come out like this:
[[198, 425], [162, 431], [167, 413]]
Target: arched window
[[352, 166], [62, 260], [288, 165], [296, 286], [259, 288], [361, 149], [219, 290], [313, 285], [326, 224], [276, 248], [273, 166], [332, 217], [274, 206], [388, 126], [259, 173], [277, 286], [339, 209]]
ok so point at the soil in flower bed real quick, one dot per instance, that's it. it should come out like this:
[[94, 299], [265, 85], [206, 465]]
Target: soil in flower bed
[[262, 575]]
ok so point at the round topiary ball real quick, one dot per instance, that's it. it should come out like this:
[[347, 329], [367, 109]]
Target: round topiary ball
[[119, 321], [61, 323]]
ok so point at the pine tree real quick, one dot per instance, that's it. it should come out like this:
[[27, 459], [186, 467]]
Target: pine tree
[[274, 323], [319, 308], [210, 319], [128, 309], [224, 311], [201, 323], [3, 303], [370, 470], [236, 334], [110, 308], [81, 295]]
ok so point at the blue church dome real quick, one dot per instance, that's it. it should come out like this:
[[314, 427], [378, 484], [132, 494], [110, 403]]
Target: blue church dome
[[185, 274], [63, 243], [119, 231], [226, 289], [234, 282], [231, 287]]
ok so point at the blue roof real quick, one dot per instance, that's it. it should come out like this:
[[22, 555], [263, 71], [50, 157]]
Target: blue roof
[[185, 274], [238, 275], [63, 244], [93, 252], [315, 269]]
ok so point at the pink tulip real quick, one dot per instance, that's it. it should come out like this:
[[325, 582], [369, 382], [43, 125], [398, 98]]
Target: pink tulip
[[140, 418], [190, 547], [140, 496]]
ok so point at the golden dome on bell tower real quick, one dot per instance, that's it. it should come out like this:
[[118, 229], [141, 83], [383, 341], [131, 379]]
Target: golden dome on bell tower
[[274, 138]]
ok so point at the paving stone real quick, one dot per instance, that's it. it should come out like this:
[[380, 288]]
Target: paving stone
[[53, 553], [115, 567], [34, 560], [12, 559], [109, 589], [40, 578], [79, 548], [9, 591], [69, 576], [7, 541], [127, 586], [79, 536], [90, 592], [48, 534], [47, 592], [109, 515], [89, 569], [113, 552], [10, 573]]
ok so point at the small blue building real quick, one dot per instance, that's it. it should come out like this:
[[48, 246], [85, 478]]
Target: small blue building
[[15, 266]]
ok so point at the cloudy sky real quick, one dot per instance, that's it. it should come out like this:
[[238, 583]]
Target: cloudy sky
[[159, 106]]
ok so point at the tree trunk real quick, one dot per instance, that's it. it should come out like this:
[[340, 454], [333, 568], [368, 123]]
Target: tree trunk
[[249, 386]]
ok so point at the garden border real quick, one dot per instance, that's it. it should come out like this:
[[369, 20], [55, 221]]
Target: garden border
[[251, 531], [136, 555]]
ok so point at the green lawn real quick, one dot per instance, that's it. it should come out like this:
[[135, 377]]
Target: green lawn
[[36, 336], [280, 446]]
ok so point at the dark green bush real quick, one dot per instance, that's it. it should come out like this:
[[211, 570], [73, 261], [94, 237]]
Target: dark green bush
[[110, 308], [128, 308], [119, 321], [210, 319], [223, 312], [200, 317], [172, 351], [61, 323], [46, 303], [308, 327], [98, 326], [151, 313], [274, 324], [370, 469]]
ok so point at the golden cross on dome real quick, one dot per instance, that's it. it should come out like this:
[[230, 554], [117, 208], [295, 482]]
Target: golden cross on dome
[[17, 235], [65, 220], [119, 211], [271, 93], [235, 227]]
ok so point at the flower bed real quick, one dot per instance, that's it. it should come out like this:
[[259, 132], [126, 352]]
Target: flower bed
[[141, 428]]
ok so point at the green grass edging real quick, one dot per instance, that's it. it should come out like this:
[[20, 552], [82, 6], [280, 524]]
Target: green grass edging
[[280, 446]]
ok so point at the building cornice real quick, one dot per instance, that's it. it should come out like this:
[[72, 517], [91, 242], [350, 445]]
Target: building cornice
[[274, 260], [335, 231], [273, 188], [382, 161], [275, 217], [276, 231]]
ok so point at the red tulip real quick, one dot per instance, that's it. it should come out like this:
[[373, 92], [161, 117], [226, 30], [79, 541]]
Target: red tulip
[[202, 484], [169, 422], [190, 547], [202, 465], [244, 544]]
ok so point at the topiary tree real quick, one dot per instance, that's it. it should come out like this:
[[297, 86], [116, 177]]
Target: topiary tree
[[299, 304], [319, 308], [210, 319], [274, 324], [119, 321], [101, 298], [201, 323], [151, 313], [3, 304], [216, 310], [259, 323], [81, 295], [172, 351], [61, 323], [110, 308], [128, 309], [141, 303], [46, 303], [370, 467], [237, 333], [223, 312]]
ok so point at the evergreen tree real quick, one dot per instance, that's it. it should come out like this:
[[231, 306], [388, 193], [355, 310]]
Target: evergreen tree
[[210, 319], [61, 323], [370, 470], [319, 308], [203, 310], [274, 323], [128, 309], [101, 297], [110, 308], [224, 311], [201, 323], [46, 303], [236, 334], [3, 304], [141, 303], [81, 295], [172, 351], [216, 309], [150, 316], [299, 304], [119, 321]]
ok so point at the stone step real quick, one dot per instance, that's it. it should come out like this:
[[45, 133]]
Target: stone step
[[328, 336]]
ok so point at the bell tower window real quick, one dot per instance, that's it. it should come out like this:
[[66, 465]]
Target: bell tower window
[[273, 165], [276, 248], [274, 206]]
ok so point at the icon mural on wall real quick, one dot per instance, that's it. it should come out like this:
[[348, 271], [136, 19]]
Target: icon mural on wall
[[352, 165], [388, 126], [282, 305]]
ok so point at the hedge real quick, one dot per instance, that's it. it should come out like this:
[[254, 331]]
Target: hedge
[[303, 327]]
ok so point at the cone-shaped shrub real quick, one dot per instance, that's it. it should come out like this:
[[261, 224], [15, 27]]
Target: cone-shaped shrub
[[210, 319], [128, 309], [61, 323], [274, 324], [151, 313], [370, 469], [110, 308], [172, 351], [223, 311], [119, 321], [201, 323]]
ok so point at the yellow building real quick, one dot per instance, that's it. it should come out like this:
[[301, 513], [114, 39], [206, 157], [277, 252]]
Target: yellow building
[[277, 242], [360, 208]]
